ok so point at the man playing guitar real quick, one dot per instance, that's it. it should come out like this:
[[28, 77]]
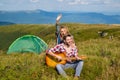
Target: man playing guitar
[[69, 48]]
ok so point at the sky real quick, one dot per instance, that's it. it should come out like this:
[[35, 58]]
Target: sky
[[107, 6]]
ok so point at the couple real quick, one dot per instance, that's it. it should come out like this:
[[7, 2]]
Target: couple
[[66, 45]]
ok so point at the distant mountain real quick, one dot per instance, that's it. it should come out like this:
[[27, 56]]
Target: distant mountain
[[45, 17], [5, 23]]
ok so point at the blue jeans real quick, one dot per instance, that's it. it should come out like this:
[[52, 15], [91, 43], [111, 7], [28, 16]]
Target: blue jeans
[[75, 65]]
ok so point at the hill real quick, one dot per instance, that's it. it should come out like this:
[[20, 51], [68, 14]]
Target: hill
[[5, 23], [45, 17], [102, 52]]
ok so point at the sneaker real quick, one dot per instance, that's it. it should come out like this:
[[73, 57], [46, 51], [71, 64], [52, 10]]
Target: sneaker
[[76, 78]]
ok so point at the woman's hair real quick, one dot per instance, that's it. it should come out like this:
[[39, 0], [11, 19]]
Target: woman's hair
[[65, 27]]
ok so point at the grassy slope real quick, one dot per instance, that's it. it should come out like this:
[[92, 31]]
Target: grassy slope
[[103, 54]]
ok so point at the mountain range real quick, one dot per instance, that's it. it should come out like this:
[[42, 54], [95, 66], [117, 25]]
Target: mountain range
[[47, 17]]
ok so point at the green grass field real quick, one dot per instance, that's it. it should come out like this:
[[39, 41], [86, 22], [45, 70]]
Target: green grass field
[[103, 62]]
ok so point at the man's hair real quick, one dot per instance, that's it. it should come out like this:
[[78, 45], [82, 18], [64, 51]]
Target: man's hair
[[69, 35], [64, 38]]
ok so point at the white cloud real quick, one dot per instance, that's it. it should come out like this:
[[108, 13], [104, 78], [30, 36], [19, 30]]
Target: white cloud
[[111, 2], [83, 2], [92, 2], [74, 2], [34, 1], [88, 2], [65, 5], [60, 0]]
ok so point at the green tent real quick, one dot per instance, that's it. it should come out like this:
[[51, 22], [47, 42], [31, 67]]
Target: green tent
[[27, 43]]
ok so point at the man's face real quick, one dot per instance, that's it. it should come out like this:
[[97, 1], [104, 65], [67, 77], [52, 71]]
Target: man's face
[[63, 31]]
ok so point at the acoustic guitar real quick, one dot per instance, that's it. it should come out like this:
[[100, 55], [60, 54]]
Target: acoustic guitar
[[52, 62]]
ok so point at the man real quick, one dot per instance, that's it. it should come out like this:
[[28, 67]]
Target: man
[[69, 48]]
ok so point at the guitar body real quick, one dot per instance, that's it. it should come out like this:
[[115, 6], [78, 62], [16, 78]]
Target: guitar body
[[52, 62]]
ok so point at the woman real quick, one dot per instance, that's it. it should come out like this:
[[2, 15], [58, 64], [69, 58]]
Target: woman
[[68, 47], [62, 32]]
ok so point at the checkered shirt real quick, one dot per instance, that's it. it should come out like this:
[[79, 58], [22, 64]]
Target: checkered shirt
[[60, 48]]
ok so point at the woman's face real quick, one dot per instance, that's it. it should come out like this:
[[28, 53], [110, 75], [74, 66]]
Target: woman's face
[[63, 31], [69, 40]]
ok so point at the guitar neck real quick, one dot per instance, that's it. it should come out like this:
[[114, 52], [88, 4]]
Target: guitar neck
[[74, 58]]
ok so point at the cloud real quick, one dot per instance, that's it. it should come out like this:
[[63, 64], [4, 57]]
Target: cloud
[[78, 2], [34, 1], [93, 2], [82, 2], [60, 0], [89, 2], [111, 2]]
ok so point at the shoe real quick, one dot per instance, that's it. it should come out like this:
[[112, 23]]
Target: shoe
[[76, 78]]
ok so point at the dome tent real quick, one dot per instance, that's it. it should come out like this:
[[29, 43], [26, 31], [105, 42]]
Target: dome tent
[[27, 43]]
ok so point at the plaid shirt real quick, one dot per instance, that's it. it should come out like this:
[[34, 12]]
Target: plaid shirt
[[60, 48]]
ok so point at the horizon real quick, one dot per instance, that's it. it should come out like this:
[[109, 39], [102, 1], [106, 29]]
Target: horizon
[[99, 6], [105, 13]]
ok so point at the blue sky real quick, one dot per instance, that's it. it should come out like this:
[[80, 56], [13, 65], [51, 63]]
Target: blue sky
[[112, 6]]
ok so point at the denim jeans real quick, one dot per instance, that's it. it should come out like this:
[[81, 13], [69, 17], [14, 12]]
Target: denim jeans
[[75, 65]]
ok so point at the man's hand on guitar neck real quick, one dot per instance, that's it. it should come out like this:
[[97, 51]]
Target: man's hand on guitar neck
[[70, 59], [78, 58]]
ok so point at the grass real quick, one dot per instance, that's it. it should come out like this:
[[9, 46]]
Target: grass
[[103, 53]]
